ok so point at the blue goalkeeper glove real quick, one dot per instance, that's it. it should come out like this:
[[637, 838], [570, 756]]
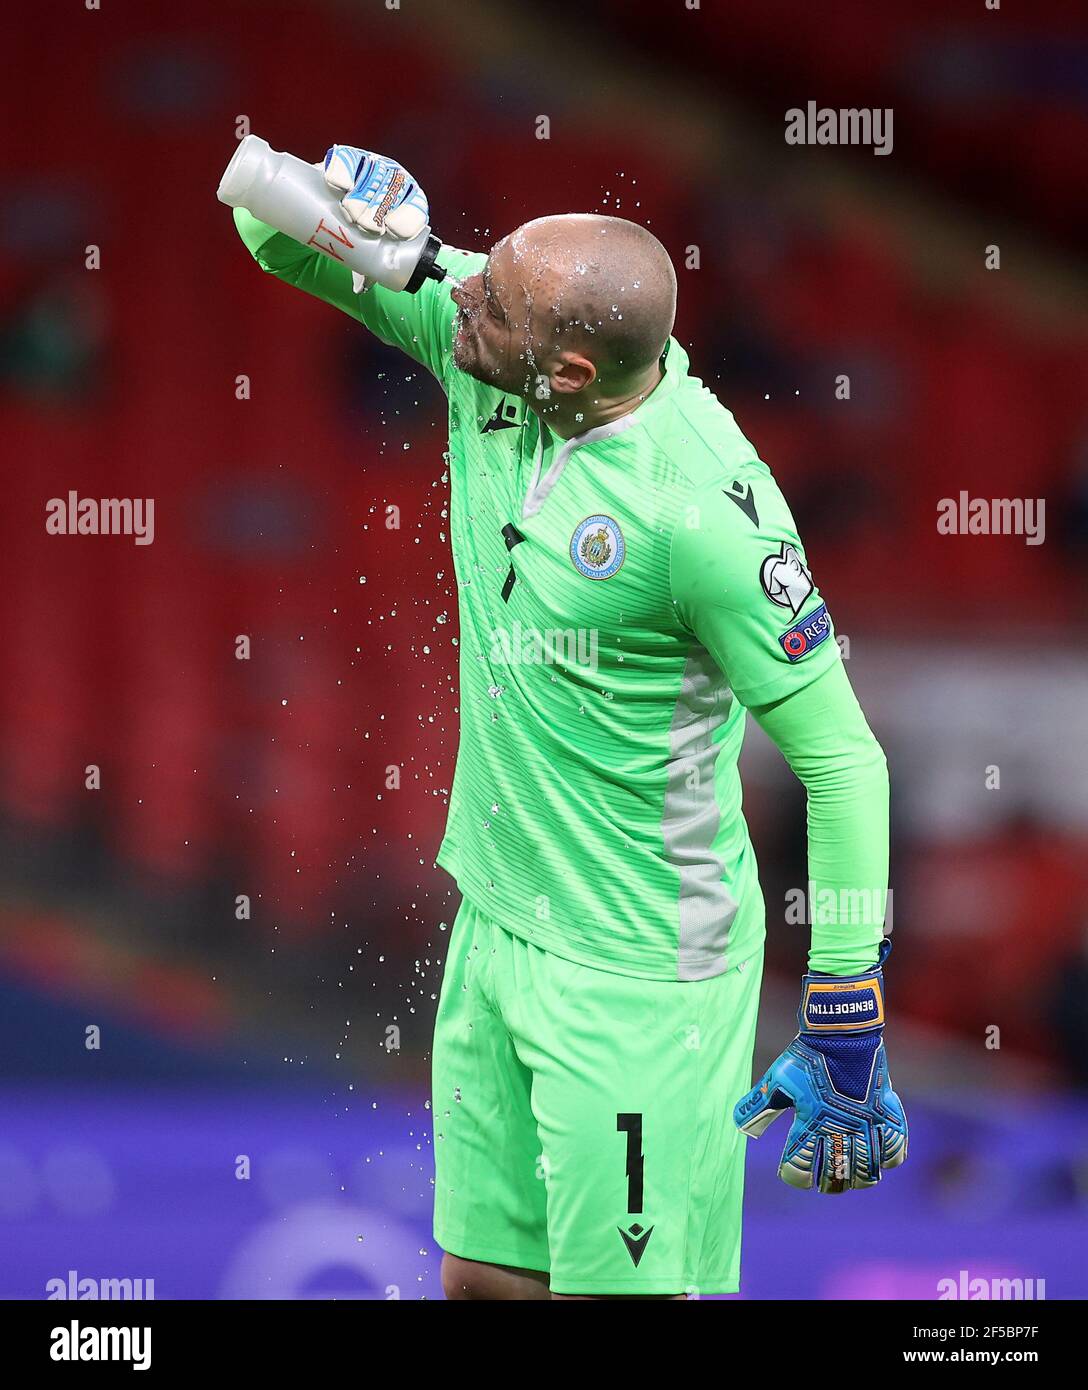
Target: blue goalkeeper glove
[[848, 1124]]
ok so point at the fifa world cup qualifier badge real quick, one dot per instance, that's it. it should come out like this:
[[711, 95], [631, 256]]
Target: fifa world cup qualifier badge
[[597, 547]]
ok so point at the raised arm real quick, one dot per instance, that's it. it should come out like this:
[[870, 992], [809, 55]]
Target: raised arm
[[420, 323]]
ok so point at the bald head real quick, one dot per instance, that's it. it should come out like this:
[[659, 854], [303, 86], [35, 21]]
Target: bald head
[[571, 312], [601, 285]]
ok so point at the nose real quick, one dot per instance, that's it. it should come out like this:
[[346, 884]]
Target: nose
[[461, 292]]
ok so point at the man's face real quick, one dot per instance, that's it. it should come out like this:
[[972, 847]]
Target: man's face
[[495, 333]]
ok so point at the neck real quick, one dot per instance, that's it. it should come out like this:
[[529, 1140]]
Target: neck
[[573, 415]]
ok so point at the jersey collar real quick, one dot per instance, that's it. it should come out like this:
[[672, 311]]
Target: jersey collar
[[674, 363]]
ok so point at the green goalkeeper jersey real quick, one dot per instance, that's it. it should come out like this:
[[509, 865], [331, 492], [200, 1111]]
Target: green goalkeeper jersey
[[623, 595]]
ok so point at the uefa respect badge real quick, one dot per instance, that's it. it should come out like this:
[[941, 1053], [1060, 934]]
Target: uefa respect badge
[[806, 634]]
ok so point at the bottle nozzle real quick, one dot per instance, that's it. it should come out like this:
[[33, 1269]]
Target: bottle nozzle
[[427, 267]]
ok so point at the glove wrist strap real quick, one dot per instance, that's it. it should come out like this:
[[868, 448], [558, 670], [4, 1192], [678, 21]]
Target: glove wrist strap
[[843, 1004]]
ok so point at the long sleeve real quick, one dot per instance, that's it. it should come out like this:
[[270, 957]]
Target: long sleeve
[[420, 324], [823, 735], [742, 586]]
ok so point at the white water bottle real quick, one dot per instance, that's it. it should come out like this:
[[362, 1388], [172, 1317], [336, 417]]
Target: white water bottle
[[293, 197]]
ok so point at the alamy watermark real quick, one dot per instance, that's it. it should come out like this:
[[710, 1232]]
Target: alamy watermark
[[101, 516], [75, 1343], [854, 907], [829, 125], [553, 646], [87, 1287], [978, 1288], [993, 516]]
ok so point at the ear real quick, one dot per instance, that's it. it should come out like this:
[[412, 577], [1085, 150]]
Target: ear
[[572, 372]]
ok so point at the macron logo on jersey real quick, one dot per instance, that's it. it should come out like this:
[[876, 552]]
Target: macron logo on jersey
[[504, 418], [806, 634]]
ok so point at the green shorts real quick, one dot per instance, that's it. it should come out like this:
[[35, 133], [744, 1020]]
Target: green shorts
[[583, 1119]]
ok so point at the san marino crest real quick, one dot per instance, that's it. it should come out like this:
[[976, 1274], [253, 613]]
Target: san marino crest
[[597, 547]]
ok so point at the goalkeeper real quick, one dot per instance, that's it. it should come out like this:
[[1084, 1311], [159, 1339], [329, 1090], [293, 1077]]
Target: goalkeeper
[[630, 585]]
